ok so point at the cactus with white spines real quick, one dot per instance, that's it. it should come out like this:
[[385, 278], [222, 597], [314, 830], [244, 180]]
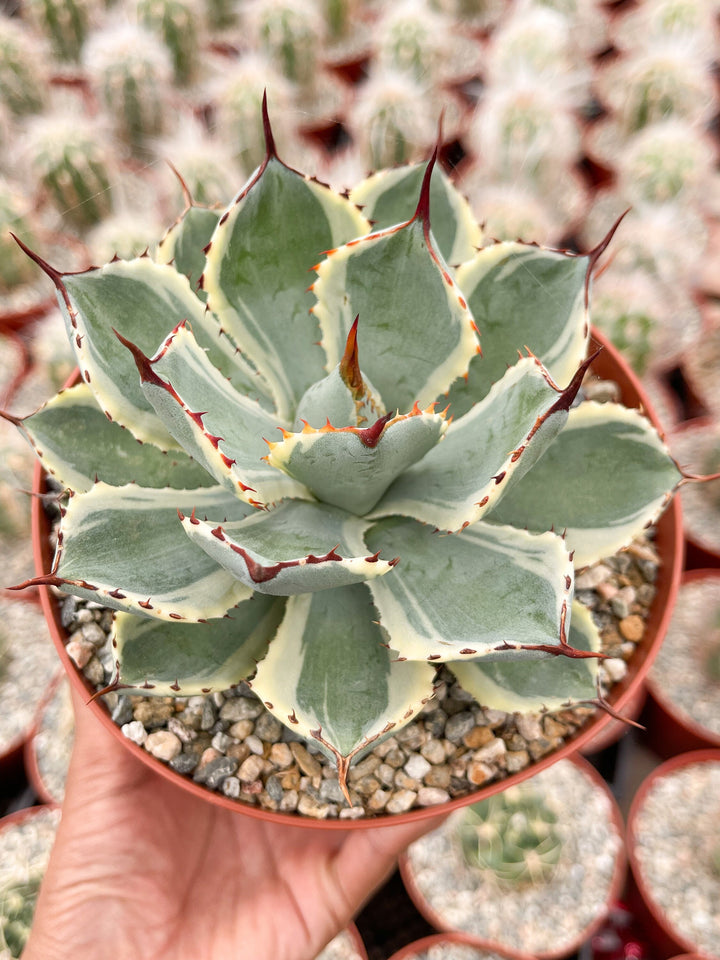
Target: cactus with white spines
[[177, 23], [65, 23], [289, 538]]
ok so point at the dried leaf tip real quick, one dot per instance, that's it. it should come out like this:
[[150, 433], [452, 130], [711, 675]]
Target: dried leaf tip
[[270, 148], [350, 364]]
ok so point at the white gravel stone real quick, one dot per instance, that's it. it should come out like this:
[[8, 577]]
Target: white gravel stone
[[135, 731], [401, 801], [416, 766], [251, 768], [429, 796], [255, 744], [492, 752], [163, 745]]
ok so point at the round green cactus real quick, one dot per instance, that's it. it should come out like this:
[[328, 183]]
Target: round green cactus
[[17, 907], [514, 835], [291, 536], [71, 163], [177, 23], [64, 22], [22, 87], [15, 216]]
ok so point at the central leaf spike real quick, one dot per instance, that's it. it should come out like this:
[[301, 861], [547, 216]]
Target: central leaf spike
[[422, 211], [350, 365], [270, 148]]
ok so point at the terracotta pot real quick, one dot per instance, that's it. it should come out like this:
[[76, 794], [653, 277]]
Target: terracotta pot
[[614, 889], [669, 543], [617, 729], [694, 439], [668, 941], [670, 730], [411, 950], [30, 753]]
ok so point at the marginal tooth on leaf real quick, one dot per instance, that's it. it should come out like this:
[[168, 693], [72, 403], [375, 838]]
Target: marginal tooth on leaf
[[350, 364], [416, 411], [145, 604], [285, 433], [218, 533], [306, 426], [181, 515]]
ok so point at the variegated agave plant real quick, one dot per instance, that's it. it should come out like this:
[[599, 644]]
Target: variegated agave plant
[[285, 513]]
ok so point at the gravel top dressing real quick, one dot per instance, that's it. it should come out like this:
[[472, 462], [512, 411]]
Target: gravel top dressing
[[534, 917], [677, 837], [230, 743]]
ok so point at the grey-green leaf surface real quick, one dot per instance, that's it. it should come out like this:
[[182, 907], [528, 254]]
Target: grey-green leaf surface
[[144, 301], [483, 453], [126, 548], [258, 273], [523, 296], [391, 196], [328, 677], [603, 479], [295, 548], [531, 686], [221, 428], [78, 445], [345, 468], [485, 592], [184, 243], [415, 332], [184, 659]]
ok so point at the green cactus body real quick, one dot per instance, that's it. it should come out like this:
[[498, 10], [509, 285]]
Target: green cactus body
[[17, 908], [22, 86], [70, 162], [311, 448], [176, 23], [220, 14], [65, 23], [131, 70], [514, 835], [15, 217], [290, 35]]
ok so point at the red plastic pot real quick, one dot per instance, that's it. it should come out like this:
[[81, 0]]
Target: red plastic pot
[[667, 941], [669, 543], [411, 950], [670, 730], [30, 756], [689, 442], [614, 889]]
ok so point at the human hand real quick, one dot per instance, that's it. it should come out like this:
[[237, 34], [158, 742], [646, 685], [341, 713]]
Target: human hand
[[142, 870]]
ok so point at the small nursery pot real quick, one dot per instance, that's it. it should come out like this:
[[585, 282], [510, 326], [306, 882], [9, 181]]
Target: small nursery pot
[[667, 940], [670, 729], [333, 952], [669, 544], [413, 950], [39, 783], [617, 879]]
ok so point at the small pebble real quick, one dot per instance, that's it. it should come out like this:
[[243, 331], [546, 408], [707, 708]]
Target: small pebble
[[401, 801], [251, 768], [307, 764], [632, 628], [135, 731], [163, 744]]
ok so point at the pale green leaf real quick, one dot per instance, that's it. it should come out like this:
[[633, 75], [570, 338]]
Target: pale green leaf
[[295, 548], [486, 592], [144, 301], [258, 272], [221, 428], [78, 445], [605, 477], [184, 243], [531, 686], [352, 467], [391, 196], [523, 296], [415, 332], [126, 548], [328, 677], [484, 452], [185, 659]]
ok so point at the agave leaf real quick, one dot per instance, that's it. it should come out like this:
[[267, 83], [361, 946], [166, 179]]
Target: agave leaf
[[484, 452], [494, 591], [328, 677], [183, 659], [78, 445], [295, 548], [257, 273], [390, 196], [125, 547], [184, 244], [143, 301], [529, 687], [351, 467], [416, 334], [523, 296], [606, 476], [221, 428]]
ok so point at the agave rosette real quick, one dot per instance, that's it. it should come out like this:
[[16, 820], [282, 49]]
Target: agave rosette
[[265, 487]]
